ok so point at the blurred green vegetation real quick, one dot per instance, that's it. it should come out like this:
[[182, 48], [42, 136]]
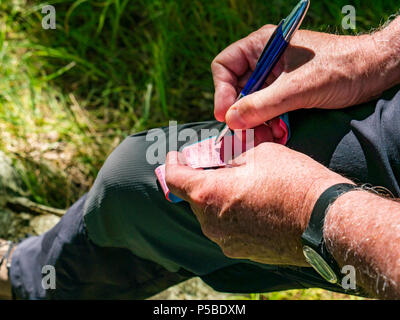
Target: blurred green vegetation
[[299, 294], [114, 67]]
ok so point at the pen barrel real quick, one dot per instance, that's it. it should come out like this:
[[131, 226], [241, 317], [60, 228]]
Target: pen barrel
[[268, 61], [272, 53]]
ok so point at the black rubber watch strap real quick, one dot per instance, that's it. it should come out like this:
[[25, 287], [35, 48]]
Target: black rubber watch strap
[[313, 236], [314, 231]]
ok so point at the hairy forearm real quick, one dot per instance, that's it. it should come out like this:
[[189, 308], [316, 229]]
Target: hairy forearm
[[363, 230], [383, 71]]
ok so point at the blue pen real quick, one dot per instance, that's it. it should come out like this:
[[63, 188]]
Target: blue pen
[[271, 54]]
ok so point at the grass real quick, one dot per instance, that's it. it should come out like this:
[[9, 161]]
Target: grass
[[299, 294], [114, 67]]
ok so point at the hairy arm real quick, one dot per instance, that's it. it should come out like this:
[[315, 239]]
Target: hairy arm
[[363, 230], [384, 72]]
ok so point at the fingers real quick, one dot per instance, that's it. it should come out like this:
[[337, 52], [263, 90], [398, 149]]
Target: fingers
[[180, 178], [226, 68], [277, 130], [262, 134], [225, 96], [264, 105], [233, 66]]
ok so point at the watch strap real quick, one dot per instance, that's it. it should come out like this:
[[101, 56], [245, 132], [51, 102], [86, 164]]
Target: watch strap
[[313, 235]]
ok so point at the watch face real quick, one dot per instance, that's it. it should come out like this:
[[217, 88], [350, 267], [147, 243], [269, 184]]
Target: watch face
[[319, 264]]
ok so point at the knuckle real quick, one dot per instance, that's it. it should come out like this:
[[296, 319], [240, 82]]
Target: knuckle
[[199, 195], [257, 101], [217, 62], [269, 26], [202, 191], [272, 147], [267, 29], [268, 151]]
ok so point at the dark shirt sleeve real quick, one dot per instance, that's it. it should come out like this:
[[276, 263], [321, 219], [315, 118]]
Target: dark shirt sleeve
[[370, 152]]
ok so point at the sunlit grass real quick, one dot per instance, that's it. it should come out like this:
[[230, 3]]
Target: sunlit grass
[[299, 294]]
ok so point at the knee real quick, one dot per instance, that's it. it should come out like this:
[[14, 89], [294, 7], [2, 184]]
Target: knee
[[116, 190]]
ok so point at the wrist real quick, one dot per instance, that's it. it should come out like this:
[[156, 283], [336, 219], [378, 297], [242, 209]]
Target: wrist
[[316, 189]]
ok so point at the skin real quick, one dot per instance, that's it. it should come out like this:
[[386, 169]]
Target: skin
[[362, 230], [258, 208], [274, 190]]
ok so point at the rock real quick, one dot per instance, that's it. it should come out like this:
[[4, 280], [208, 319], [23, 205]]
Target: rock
[[193, 289], [10, 182], [20, 217], [41, 224]]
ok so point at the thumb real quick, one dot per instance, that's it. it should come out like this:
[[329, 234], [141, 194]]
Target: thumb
[[263, 105], [179, 177]]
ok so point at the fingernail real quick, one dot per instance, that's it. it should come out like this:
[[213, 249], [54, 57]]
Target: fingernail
[[234, 119]]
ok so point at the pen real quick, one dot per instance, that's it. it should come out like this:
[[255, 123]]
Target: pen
[[272, 52]]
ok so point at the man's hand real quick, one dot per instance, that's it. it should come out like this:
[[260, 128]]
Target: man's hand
[[258, 208], [318, 70]]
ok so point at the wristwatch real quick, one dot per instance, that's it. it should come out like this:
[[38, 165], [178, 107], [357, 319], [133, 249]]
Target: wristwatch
[[314, 248]]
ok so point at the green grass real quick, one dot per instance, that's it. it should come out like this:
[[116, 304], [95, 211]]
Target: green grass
[[114, 67], [299, 294]]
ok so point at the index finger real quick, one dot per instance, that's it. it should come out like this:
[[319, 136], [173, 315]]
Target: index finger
[[234, 63], [226, 68]]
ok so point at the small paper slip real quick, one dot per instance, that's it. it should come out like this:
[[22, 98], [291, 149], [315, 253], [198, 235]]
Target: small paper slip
[[203, 155], [160, 173], [199, 155]]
